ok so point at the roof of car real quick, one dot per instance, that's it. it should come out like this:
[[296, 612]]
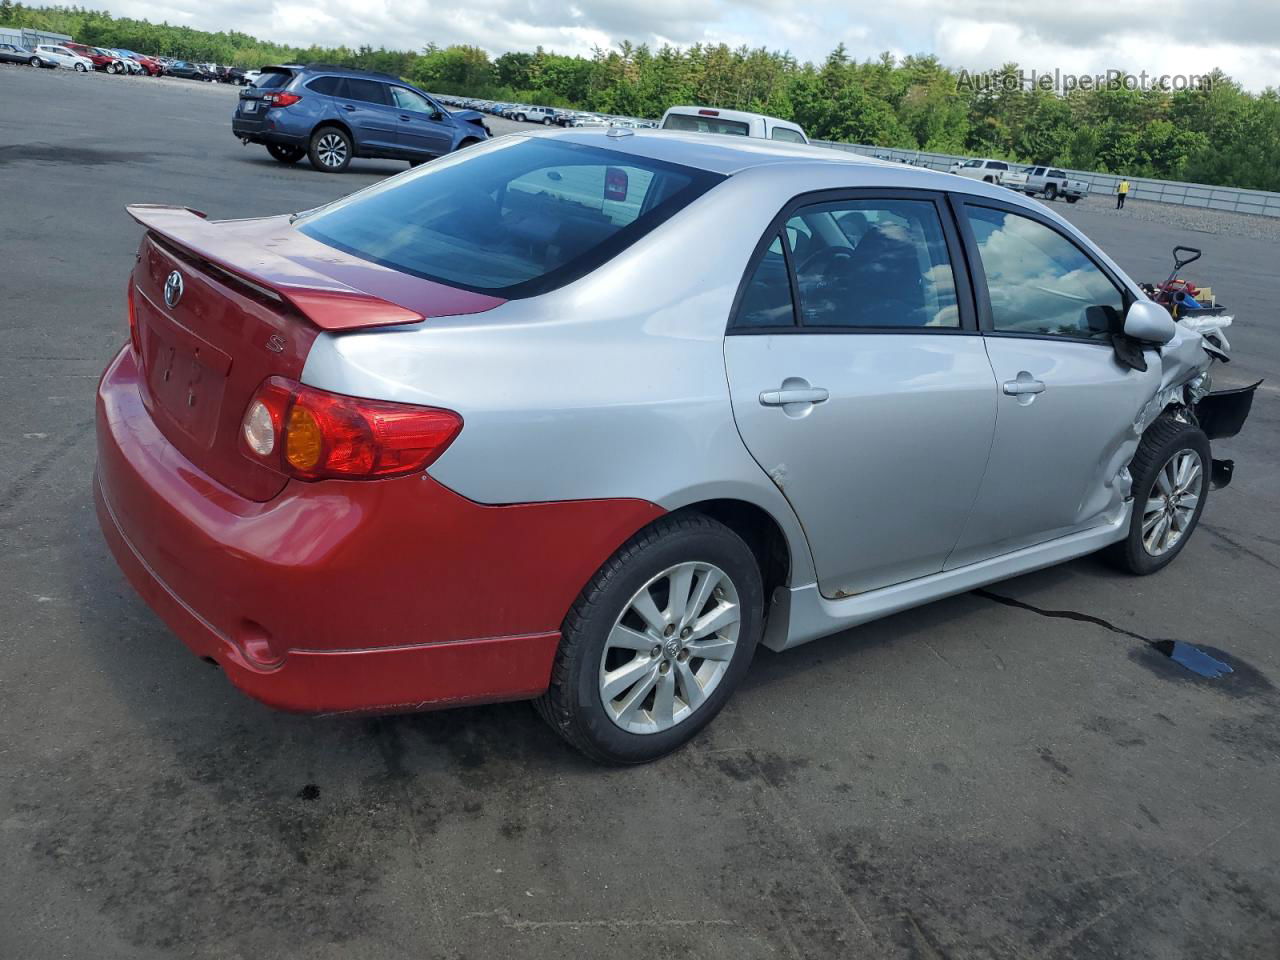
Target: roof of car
[[714, 152]]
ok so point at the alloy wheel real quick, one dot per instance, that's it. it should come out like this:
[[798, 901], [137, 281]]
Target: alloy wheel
[[332, 150], [670, 647], [1171, 503]]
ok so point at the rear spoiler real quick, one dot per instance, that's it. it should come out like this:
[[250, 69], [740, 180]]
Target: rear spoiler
[[326, 302]]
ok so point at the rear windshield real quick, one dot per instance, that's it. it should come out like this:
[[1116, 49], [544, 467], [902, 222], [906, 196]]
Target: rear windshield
[[273, 78], [682, 121], [516, 219]]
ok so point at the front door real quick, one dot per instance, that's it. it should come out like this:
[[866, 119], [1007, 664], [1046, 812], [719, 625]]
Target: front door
[[867, 396], [423, 129], [1066, 406]]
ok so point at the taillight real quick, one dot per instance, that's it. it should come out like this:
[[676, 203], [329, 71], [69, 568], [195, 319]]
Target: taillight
[[281, 99], [312, 434], [135, 338]]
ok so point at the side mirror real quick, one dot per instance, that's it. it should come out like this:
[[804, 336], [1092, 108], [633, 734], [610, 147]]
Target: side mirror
[[1149, 322]]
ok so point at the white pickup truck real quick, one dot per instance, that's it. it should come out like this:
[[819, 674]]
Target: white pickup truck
[[990, 171], [1052, 183]]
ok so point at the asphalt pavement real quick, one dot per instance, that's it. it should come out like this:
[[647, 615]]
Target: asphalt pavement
[[1011, 774]]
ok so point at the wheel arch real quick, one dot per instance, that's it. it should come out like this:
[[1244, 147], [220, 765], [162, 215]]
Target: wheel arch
[[761, 532]]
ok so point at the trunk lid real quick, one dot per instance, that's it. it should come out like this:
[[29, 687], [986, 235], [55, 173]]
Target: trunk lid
[[251, 298]]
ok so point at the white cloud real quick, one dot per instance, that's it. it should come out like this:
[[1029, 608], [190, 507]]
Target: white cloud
[[1088, 36]]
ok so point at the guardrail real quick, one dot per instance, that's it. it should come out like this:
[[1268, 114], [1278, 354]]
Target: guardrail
[[1257, 202]]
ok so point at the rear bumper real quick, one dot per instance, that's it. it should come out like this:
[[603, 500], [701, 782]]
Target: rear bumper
[[345, 596], [264, 131]]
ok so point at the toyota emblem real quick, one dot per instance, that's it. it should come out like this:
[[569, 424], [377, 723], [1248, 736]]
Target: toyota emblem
[[173, 289]]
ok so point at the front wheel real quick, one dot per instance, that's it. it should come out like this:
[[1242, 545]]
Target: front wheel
[[81, 68], [1170, 484], [330, 150], [657, 641], [34, 61], [520, 117]]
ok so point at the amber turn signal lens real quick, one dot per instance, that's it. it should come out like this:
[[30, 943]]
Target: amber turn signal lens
[[304, 440]]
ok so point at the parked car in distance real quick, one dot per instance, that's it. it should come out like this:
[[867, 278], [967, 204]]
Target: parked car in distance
[[102, 60], [60, 56], [250, 77], [738, 123], [990, 171], [185, 70], [12, 53], [398, 452], [332, 115], [543, 115], [1052, 183], [150, 65]]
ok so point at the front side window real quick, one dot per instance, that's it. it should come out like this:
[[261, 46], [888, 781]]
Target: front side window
[[1039, 282], [873, 263], [973, 163], [515, 220], [408, 100]]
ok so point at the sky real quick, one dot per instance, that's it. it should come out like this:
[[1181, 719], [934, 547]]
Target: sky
[[1080, 37]]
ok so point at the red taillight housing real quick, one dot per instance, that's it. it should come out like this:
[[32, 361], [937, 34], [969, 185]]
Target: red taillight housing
[[135, 338], [312, 434], [280, 99]]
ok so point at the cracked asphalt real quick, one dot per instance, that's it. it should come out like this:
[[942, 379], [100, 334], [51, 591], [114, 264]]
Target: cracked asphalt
[[969, 779]]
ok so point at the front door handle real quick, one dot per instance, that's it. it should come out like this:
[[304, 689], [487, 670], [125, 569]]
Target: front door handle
[[405, 116], [1022, 388], [780, 398], [348, 107]]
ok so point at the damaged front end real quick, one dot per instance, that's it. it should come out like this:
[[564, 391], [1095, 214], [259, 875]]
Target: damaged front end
[[1185, 386]]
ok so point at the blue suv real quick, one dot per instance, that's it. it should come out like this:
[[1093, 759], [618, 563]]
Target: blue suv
[[331, 114]]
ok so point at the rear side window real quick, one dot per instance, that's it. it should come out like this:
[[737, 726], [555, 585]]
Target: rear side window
[[682, 121], [370, 91], [326, 86], [516, 221], [997, 165], [873, 263], [1039, 282], [784, 133], [271, 79], [767, 302]]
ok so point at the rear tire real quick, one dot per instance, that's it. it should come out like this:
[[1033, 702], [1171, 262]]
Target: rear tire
[[592, 700], [1072, 199], [1051, 192], [330, 150], [520, 117], [285, 154], [34, 61], [1170, 486]]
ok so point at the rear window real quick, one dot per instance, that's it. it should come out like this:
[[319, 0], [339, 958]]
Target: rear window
[[271, 79], [516, 220], [683, 121]]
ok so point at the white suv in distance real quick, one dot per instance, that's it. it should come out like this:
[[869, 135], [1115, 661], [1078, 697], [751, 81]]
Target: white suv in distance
[[535, 115], [733, 122], [990, 171], [63, 57]]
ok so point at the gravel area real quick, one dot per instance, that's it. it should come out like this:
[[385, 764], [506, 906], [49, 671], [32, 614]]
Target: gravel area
[[1198, 219]]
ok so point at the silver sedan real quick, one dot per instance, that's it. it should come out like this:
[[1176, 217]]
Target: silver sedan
[[586, 416]]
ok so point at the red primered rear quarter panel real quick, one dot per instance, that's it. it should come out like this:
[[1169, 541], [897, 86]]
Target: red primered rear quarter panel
[[344, 565]]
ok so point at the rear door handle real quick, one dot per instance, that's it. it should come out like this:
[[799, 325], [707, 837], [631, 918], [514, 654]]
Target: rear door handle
[[778, 398], [405, 116], [1021, 387], [348, 107]]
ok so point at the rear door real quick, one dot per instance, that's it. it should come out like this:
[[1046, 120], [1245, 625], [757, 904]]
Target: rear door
[[423, 128], [1066, 406], [860, 383], [366, 107]]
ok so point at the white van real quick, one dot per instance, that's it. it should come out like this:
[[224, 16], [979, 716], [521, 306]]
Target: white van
[[737, 123]]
